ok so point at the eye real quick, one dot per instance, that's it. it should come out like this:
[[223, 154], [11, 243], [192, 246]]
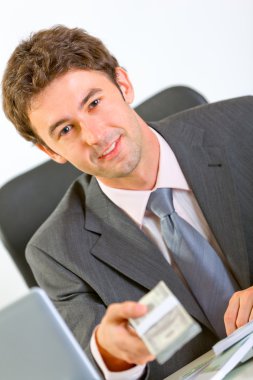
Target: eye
[[65, 130], [94, 104]]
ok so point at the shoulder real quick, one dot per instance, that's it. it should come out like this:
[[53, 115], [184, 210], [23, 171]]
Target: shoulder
[[69, 213], [224, 118], [225, 108]]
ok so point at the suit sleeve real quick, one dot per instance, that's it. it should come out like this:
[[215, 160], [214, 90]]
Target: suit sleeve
[[75, 300]]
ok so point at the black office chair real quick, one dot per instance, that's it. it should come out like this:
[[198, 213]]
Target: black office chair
[[27, 200], [168, 102]]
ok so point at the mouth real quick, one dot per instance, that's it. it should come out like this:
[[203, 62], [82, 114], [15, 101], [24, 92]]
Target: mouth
[[111, 150]]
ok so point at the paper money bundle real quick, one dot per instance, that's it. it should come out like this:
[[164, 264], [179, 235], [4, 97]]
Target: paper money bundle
[[167, 326]]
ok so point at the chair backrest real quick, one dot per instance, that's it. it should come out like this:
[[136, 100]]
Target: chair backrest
[[27, 200], [168, 102]]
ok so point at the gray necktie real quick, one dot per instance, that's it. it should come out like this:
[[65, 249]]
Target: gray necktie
[[198, 262]]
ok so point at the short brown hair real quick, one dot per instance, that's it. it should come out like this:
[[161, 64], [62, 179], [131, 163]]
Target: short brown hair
[[44, 56]]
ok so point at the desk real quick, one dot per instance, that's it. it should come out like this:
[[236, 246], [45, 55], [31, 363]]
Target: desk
[[244, 371]]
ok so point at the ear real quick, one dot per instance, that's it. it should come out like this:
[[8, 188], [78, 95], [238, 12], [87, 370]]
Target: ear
[[125, 84], [55, 156]]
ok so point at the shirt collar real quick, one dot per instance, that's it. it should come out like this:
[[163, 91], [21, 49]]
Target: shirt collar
[[134, 202]]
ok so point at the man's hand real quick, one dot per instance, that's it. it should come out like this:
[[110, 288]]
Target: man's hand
[[240, 310], [118, 343]]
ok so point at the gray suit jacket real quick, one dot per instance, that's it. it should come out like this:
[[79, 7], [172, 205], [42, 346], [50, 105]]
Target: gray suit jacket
[[89, 254]]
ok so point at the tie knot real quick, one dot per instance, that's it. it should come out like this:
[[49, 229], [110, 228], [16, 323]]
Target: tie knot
[[160, 202]]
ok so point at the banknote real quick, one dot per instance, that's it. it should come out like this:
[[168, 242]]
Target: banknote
[[167, 326]]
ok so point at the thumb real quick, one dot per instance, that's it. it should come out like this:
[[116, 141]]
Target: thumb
[[126, 310]]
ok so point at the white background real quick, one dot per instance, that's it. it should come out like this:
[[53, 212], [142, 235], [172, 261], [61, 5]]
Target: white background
[[205, 44]]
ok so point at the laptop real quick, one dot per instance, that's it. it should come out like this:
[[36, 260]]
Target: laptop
[[36, 344]]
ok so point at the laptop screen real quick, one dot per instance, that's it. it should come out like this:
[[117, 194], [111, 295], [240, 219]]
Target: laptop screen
[[36, 344]]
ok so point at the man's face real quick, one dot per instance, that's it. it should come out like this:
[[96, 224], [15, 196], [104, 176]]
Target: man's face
[[83, 118]]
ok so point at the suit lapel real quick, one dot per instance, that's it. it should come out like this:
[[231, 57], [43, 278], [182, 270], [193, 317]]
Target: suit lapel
[[208, 174], [123, 246]]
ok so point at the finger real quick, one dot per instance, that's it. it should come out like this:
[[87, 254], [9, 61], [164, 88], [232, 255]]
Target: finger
[[245, 308], [251, 315], [131, 330], [133, 350], [230, 315]]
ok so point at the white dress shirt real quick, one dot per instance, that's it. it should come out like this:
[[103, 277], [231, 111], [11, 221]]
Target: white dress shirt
[[134, 203]]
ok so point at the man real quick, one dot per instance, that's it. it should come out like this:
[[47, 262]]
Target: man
[[102, 248]]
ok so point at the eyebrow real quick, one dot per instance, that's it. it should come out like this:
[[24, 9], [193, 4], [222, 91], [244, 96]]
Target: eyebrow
[[90, 94]]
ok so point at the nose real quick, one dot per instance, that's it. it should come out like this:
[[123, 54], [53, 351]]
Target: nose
[[92, 132]]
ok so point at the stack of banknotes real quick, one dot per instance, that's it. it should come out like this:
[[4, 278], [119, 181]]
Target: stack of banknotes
[[167, 326]]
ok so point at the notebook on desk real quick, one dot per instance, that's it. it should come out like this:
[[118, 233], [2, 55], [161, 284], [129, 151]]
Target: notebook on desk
[[36, 344]]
